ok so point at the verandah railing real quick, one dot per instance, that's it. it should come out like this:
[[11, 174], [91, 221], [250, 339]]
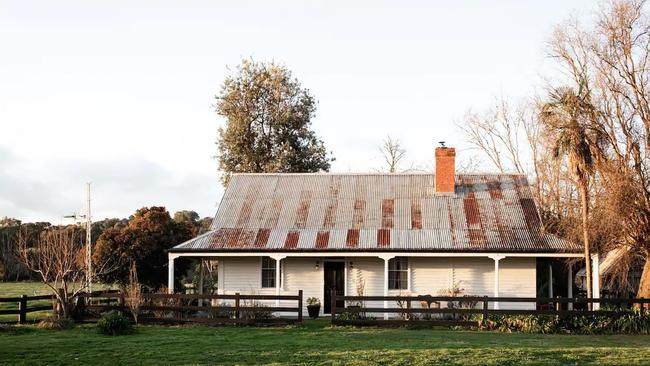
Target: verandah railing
[[429, 310]]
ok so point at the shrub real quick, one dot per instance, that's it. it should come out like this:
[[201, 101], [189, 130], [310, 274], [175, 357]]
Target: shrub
[[56, 323], [114, 323], [256, 314], [222, 311], [628, 322]]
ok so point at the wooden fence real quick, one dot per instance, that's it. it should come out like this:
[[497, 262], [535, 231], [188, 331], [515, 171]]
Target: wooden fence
[[24, 307], [429, 309], [196, 308]]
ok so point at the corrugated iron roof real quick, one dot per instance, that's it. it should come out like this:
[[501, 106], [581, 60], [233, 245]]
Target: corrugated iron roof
[[380, 212]]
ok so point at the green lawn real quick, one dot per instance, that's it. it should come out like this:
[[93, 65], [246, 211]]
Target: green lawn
[[13, 289], [315, 343]]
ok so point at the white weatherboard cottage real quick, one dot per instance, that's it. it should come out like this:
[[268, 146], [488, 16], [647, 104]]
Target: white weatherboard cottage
[[389, 234]]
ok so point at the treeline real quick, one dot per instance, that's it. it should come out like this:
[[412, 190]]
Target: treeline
[[142, 240]]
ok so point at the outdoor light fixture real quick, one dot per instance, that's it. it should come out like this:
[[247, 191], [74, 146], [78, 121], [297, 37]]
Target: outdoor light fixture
[[317, 264], [351, 265]]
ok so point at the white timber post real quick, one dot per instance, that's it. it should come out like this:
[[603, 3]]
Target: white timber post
[[550, 280], [386, 258], [345, 278], [278, 276], [170, 272], [496, 259], [595, 279], [201, 264], [569, 285]]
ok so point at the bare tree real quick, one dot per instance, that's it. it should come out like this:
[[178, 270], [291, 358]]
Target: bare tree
[[133, 292], [392, 153], [57, 257], [497, 133]]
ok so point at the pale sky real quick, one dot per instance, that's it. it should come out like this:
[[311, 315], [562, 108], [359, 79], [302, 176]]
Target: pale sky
[[120, 93]]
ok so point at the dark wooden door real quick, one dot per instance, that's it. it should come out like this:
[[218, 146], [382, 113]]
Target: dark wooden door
[[334, 277]]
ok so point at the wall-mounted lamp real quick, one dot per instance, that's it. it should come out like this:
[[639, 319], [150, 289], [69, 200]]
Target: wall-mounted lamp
[[317, 264], [351, 265]]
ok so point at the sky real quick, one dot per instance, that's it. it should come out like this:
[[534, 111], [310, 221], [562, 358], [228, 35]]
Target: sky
[[121, 93]]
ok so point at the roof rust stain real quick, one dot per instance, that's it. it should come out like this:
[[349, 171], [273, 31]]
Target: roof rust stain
[[262, 238], [322, 239], [292, 240], [232, 238], [247, 238], [359, 213], [530, 213], [472, 213], [352, 238], [494, 188], [329, 219], [383, 238], [274, 214], [303, 210], [387, 212], [416, 214]]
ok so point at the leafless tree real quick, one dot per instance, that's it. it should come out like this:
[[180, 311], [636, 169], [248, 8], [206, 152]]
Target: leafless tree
[[392, 152], [133, 292], [57, 257], [497, 133]]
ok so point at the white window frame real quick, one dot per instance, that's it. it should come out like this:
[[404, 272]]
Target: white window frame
[[262, 269], [407, 270]]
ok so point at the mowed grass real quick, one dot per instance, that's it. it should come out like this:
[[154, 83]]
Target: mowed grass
[[14, 289], [315, 343]]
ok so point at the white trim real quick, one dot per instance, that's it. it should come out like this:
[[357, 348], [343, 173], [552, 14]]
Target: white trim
[[170, 272], [595, 279], [373, 254], [497, 258]]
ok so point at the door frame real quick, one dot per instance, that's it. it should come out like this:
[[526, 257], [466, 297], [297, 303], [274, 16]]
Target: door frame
[[345, 279]]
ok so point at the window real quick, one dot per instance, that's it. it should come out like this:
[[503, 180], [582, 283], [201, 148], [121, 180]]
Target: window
[[268, 272], [398, 274]]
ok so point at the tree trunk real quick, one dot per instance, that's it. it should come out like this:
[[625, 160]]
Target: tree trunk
[[644, 285], [585, 237]]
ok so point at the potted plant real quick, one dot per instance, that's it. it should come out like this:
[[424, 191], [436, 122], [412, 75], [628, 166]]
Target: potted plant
[[313, 307]]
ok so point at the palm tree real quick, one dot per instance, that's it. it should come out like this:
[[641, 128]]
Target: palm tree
[[568, 115]]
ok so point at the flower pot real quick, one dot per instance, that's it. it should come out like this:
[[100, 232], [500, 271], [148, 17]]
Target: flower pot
[[313, 310]]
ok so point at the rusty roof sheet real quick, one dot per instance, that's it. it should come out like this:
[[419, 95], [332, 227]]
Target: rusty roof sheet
[[376, 212]]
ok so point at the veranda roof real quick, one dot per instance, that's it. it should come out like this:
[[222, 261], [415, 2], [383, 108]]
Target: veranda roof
[[377, 212]]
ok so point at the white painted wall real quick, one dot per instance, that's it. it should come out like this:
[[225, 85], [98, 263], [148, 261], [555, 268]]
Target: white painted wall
[[428, 276]]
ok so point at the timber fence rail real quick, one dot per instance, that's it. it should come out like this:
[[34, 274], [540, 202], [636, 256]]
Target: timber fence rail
[[24, 307], [211, 309], [436, 310]]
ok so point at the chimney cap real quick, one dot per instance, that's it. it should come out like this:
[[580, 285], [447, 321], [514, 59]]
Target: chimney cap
[[442, 144]]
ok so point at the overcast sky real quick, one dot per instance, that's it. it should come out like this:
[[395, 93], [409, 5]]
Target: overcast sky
[[121, 93]]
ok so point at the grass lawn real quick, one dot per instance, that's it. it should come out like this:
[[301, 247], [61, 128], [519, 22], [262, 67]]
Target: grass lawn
[[315, 343], [13, 289]]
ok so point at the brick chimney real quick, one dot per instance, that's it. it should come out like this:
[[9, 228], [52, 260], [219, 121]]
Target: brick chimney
[[445, 169]]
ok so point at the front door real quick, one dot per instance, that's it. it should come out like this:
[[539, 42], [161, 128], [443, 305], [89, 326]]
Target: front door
[[334, 278]]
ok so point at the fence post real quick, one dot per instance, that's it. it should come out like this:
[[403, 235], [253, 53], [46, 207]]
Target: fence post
[[485, 308], [300, 306], [22, 307], [409, 315], [122, 307], [237, 305], [333, 305]]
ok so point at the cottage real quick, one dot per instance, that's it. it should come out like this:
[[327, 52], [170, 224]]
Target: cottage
[[378, 234]]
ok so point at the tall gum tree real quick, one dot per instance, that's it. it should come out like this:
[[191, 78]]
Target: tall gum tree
[[268, 123]]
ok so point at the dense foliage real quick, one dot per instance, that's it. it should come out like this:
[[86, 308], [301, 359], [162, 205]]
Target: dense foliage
[[268, 123], [143, 241]]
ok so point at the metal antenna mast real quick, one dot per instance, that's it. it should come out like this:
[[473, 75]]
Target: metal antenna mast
[[89, 261], [88, 217]]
